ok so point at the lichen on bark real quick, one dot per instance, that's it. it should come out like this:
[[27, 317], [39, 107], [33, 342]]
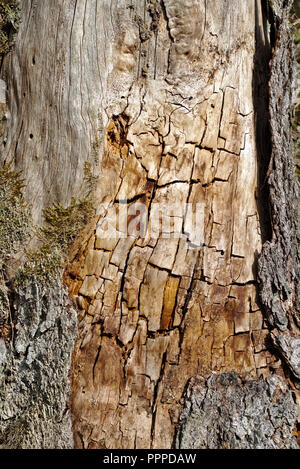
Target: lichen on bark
[[225, 413], [34, 370]]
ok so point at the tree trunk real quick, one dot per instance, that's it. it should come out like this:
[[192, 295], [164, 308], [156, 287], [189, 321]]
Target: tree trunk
[[183, 106]]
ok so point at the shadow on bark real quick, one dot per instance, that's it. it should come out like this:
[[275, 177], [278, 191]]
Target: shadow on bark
[[261, 77]]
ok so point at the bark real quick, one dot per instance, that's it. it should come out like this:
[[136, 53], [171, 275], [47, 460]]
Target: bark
[[171, 102], [225, 413], [34, 370], [279, 262]]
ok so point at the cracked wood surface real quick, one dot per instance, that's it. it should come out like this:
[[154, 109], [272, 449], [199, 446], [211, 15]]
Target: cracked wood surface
[[154, 313], [160, 96]]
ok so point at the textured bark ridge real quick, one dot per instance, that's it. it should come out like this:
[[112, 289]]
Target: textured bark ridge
[[160, 97], [225, 413], [34, 371], [278, 271]]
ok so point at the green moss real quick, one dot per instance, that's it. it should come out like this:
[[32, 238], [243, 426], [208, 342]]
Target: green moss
[[9, 24], [42, 265], [14, 213], [53, 240], [62, 226], [89, 179]]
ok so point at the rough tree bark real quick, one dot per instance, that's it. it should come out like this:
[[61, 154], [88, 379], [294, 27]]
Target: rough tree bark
[[172, 101]]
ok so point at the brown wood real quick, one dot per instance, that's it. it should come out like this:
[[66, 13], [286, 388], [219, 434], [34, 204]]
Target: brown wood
[[167, 102]]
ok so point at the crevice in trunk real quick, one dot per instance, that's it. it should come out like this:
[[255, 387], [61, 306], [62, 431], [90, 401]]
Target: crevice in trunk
[[261, 79]]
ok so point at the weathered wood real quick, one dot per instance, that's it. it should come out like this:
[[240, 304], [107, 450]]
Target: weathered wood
[[55, 120], [192, 137], [162, 98]]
